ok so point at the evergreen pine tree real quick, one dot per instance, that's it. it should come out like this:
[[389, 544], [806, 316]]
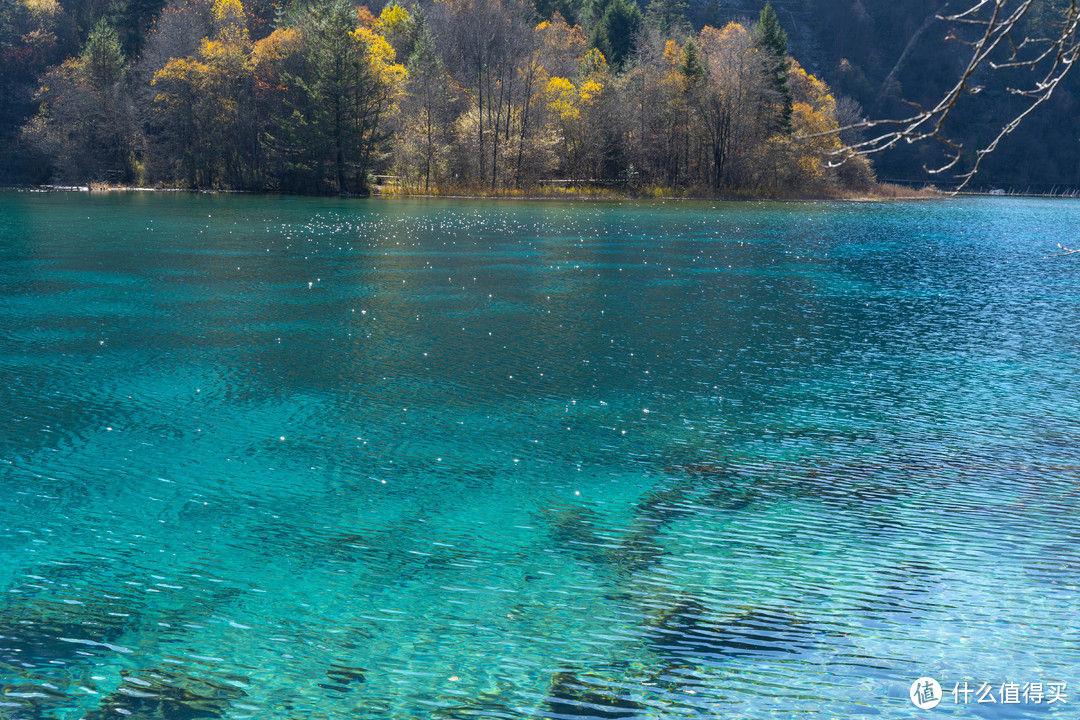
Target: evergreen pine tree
[[692, 65], [668, 16], [571, 10], [102, 59], [614, 32], [714, 13], [771, 39]]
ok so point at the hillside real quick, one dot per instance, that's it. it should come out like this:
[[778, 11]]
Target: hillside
[[858, 47]]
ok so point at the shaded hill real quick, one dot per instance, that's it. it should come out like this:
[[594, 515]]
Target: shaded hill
[[881, 52]]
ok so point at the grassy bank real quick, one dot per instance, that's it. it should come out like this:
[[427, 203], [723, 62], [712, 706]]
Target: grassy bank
[[876, 192]]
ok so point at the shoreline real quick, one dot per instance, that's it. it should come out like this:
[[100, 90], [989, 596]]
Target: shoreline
[[878, 193]]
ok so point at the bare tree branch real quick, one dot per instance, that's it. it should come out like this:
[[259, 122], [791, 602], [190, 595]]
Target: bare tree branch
[[1063, 254], [1050, 58]]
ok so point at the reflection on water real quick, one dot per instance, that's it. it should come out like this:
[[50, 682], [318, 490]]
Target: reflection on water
[[300, 458]]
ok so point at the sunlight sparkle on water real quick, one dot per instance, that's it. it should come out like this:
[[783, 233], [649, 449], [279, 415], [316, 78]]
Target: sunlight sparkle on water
[[757, 472]]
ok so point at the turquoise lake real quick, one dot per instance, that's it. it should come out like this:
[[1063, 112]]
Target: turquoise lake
[[285, 458]]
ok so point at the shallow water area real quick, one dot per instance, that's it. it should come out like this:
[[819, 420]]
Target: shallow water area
[[270, 457]]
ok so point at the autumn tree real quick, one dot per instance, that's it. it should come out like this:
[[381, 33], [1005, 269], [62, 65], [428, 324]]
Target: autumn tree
[[487, 42], [801, 157], [373, 98], [577, 108], [658, 91], [822, 160], [735, 94], [529, 147], [83, 125], [424, 138], [205, 106], [177, 32], [561, 46], [545, 137]]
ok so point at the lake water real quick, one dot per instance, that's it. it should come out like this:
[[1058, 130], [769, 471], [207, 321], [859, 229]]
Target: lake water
[[285, 458]]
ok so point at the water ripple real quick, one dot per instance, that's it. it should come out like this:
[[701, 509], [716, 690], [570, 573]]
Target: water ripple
[[290, 457]]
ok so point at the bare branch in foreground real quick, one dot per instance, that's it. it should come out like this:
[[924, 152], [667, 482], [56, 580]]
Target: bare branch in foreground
[[1049, 59], [1063, 254]]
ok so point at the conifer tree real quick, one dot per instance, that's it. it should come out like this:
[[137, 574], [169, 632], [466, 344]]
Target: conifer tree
[[668, 16], [771, 39], [570, 10], [614, 32], [102, 58], [692, 65], [132, 19]]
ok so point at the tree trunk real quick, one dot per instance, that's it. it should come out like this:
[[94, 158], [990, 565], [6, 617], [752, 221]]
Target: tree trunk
[[339, 150]]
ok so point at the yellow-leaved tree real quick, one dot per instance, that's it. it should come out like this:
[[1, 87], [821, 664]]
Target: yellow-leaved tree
[[397, 26], [736, 93], [205, 105], [659, 87], [577, 109], [330, 81], [805, 160]]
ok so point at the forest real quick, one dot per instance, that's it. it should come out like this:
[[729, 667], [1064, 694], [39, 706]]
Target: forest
[[323, 96]]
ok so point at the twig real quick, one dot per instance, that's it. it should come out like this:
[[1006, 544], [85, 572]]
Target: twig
[[1050, 58], [1067, 251]]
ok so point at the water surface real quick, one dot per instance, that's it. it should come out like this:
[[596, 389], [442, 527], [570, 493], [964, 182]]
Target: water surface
[[308, 458]]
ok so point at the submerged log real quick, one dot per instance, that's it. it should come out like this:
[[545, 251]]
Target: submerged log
[[159, 694], [687, 633], [572, 698], [343, 677]]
